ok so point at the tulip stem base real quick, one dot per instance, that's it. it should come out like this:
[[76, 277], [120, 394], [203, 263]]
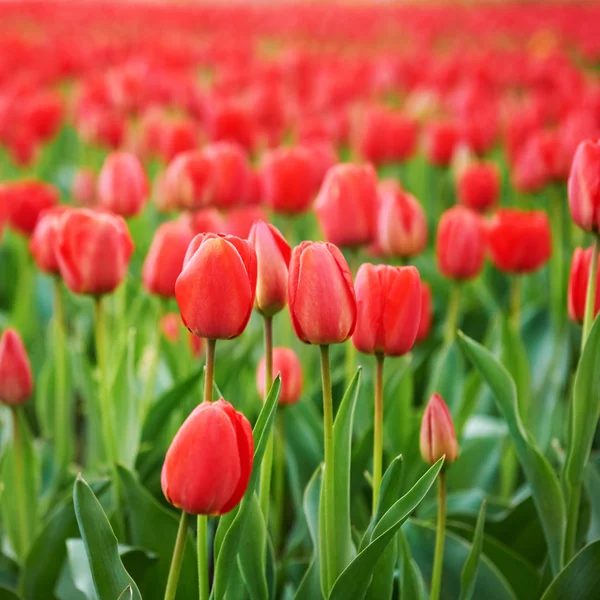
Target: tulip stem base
[[590, 297], [203, 557], [377, 430], [330, 574], [515, 302], [438, 558], [177, 559], [266, 467], [209, 370]]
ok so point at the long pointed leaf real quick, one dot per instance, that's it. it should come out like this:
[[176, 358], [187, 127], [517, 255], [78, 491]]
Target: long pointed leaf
[[468, 576]]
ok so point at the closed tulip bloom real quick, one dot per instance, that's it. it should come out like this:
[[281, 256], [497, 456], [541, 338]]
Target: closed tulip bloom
[[42, 243], [584, 186], [230, 175], [461, 243], [389, 309], [83, 188], [93, 251], [187, 181], [164, 261], [273, 255], [519, 241], [478, 186], [578, 284], [438, 437], [401, 224], [321, 294], [209, 462], [440, 139], [347, 205], [287, 364], [240, 220], [26, 201], [426, 314], [216, 288], [16, 381], [207, 220], [122, 185]]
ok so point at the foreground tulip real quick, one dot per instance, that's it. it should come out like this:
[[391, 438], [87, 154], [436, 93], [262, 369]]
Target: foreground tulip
[[578, 285], [42, 243], [347, 205], [217, 267], [26, 201], [401, 223], [122, 185], [478, 186], [287, 364], [164, 261], [426, 314], [93, 251], [519, 241], [584, 186], [16, 381]]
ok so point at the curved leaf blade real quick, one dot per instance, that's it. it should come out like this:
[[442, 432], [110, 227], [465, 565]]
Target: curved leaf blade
[[468, 576]]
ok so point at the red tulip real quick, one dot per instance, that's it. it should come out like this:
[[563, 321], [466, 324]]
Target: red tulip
[[389, 309], [287, 364], [578, 284], [438, 437], [529, 170], [209, 462], [478, 186], [169, 325], [584, 186], [16, 381], [83, 188], [239, 220], [273, 255], [519, 241], [440, 139], [461, 243], [42, 243], [217, 285], [228, 122], [187, 181], [402, 225], [207, 220], [347, 205], [25, 201], [93, 251], [122, 185], [230, 175], [321, 294], [426, 313], [165, 258]]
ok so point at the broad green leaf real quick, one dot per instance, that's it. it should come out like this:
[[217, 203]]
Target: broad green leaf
[[447, 375], [592, 484], [580, 578], [228, 550], [251, 556], [109, 574], [155, 528], [411, 581], [127, 594], [382, 582], [8, 594], [514, 359], [585, 407], [355, 579], [544, 484], [468, 575]]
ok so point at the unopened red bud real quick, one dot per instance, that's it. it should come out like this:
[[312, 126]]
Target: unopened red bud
[[438, 437], [16, 381], [287, 364]]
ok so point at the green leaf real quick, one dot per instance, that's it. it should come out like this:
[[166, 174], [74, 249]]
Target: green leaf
[[8, 594], [411, 581], [580, 578], [514, 359], [225, 556], [585, 408], [547, 493], [447, 375], [355, 579], [155, 528], [468, 575], [109, 574], [127, 594]]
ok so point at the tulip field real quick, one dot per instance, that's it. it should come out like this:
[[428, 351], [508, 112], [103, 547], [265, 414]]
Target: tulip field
[[298, 300]]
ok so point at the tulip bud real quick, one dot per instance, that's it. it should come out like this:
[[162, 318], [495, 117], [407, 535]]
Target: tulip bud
[[321, 294], [273, 255], [42, 243], [426, 314], [478, 186], [240, 220], [122, 185], [347, 205], [165, 258], [209, 462], [584, 186], [437, 433], [207, 220], [440, 140], [169, 325], [83, 188], [578, 284], [231, 122], [93, 251], [389, 309], [529, 173], [460, 243], [287, 364], [25, 202], [519, 241], [177, 138], [216, 288], [187, 181], [16, 381], [402, 226]]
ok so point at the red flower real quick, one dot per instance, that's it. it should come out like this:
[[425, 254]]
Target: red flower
[[438, 437], [287, 364], [25, 202], [578, 284], [584, 186], [478, 186], [426, 313], [42, 243], [16, 381]]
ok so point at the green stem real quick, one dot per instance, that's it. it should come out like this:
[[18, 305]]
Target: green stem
[[453, 314], [24, 533], [278, 479], [177, 559], [203, 557], [329, 481], [590, 297], [438, 558], [267, 463], [378, 430], [209, 370], [515, 302]]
